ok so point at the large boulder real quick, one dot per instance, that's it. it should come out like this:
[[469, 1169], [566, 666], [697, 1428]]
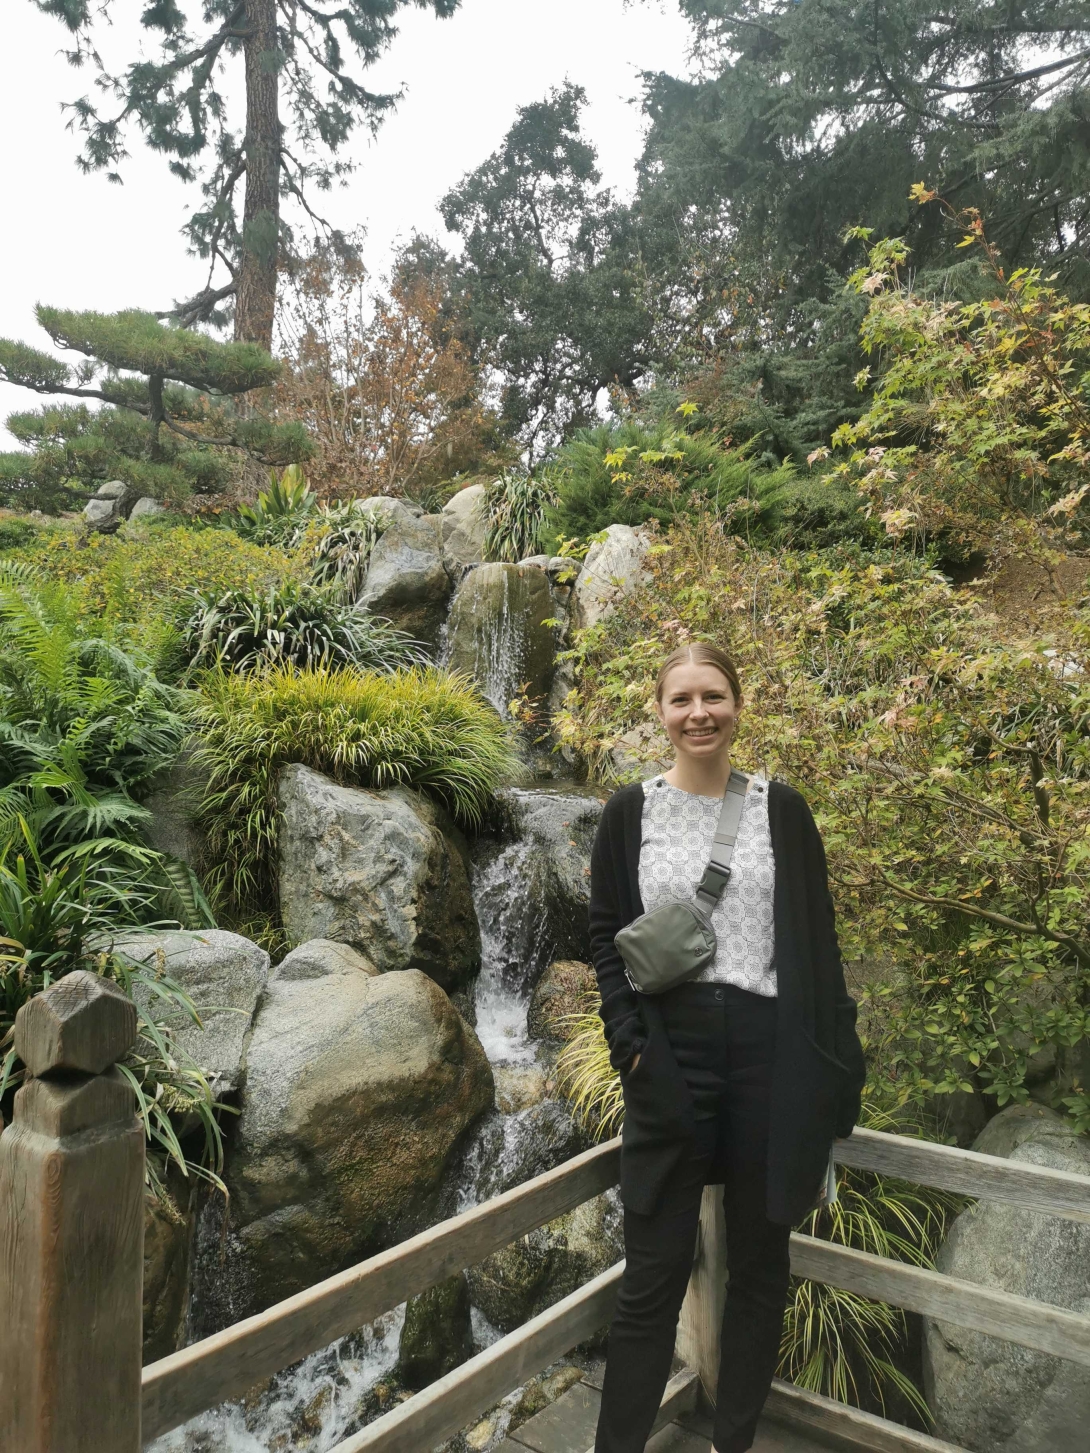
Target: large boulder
[[146, 508], [561, 991], [465, 526], [614, 567], [360, 1087], [224, 975], [497, 631], [992, 1395], [380, 870], [407, 581], [437, 1334], [540, 1269]]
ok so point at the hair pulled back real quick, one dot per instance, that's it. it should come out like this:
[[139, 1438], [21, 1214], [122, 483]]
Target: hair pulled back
[[700, 653]]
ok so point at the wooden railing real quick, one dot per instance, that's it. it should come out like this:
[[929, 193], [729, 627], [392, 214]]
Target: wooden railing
[[70, 1209]]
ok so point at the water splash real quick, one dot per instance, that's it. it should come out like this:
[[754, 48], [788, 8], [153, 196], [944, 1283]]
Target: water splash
[[311, 1406]]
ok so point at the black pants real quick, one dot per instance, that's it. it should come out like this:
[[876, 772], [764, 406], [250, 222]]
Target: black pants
[[723, 1040]]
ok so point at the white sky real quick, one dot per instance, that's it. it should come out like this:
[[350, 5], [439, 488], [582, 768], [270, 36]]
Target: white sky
[[82, 242]]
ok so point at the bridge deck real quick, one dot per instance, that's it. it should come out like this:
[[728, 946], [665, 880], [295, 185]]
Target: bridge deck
[[567, 1426]]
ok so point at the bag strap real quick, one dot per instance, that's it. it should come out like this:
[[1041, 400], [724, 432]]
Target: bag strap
[[717, 873]]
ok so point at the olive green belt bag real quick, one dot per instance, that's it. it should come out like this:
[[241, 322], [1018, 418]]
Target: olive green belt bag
[[676, 941]]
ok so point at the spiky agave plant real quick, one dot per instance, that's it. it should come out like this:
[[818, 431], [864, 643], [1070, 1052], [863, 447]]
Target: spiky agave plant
[[280, 513], [834, 1342]]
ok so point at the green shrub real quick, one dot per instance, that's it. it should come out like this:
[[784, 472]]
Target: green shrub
[[280, 513], [293, 624], [419, 728], [340, 539], [629, 473], [516, 505]]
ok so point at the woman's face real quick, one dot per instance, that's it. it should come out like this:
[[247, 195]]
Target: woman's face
[[698, 710]]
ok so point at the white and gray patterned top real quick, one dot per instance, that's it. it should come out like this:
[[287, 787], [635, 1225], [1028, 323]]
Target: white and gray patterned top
[[676, 843]]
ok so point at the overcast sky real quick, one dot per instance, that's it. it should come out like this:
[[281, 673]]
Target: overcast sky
[[81, 242]]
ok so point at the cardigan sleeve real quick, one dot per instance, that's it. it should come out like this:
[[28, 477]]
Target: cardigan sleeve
[[620, 1007], [846, 1043]]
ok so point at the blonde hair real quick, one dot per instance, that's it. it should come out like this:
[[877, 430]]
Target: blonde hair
[[700, 653]]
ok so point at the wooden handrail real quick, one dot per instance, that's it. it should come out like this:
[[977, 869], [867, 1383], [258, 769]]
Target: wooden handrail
[[984, 1177], [1029, 1323], [226, 1364]]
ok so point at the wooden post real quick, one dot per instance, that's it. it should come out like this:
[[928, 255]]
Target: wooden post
[[72, 1229], [701, 1321]]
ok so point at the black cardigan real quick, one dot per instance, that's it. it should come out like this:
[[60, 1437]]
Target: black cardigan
[[819, 1066]]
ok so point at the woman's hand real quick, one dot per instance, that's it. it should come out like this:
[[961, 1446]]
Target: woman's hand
[[635, 1062]]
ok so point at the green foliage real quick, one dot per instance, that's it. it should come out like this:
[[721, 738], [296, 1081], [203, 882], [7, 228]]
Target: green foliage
[[419, 728], [949, 771], [83, 726], [162, 438], [629, 473], [517, 506], [979, 424], [59, 914], [294, 624], [340, 539], [279, 514]]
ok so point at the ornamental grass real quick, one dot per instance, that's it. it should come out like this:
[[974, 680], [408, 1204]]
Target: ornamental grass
[[419, 728]]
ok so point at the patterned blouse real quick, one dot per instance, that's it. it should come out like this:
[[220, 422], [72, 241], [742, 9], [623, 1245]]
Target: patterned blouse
[[678, 828]]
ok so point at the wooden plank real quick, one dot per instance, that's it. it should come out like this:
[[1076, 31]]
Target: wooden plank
[[445, 1407], [985, 1177], [229, 1363], [1038, 1325], [848, 1427], [679, 1399]]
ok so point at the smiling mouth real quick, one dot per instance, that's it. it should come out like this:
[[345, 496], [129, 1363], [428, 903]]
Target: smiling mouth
[[701, 731]]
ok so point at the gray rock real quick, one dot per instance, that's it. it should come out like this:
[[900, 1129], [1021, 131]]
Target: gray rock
[[613, 569], [321, 958], [465, 526], [112, 489], [167, 1238], [561, 990], [360, 1087], [379, 870], [146, 508], [407, 581], [103, 515], [224, 975], [497, 632], [540, 561], [437, 1335], [173, 802], [558, 830], [991, 1395]]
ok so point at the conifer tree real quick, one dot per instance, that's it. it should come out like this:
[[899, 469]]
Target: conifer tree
[[302, 104], [167, 424]]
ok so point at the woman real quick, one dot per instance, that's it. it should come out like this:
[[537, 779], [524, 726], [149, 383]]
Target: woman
[[744, 1075]]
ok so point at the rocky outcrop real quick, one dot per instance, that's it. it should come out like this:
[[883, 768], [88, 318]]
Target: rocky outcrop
[[465, 526], [380, 870], [105, 511], [988, 1394], [561, 992], [167, 1236], [497, 631], [360, 1087], [613, 569], [224, 975], [407, 581], [146, 508], [539, 1270], [437, 1335]]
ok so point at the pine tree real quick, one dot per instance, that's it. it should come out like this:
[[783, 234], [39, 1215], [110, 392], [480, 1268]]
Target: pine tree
[[302, 105], [167, 426]]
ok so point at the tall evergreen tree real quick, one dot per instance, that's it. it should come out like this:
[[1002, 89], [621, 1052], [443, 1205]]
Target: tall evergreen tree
[[166, 426], [302, 105]]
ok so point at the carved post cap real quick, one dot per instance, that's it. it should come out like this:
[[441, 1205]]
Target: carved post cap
[[82, 1023]]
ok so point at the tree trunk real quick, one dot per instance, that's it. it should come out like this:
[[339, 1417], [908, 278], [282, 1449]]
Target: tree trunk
[[256, 301]]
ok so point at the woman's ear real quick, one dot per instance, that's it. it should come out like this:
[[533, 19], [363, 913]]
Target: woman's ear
[[658, 710]]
